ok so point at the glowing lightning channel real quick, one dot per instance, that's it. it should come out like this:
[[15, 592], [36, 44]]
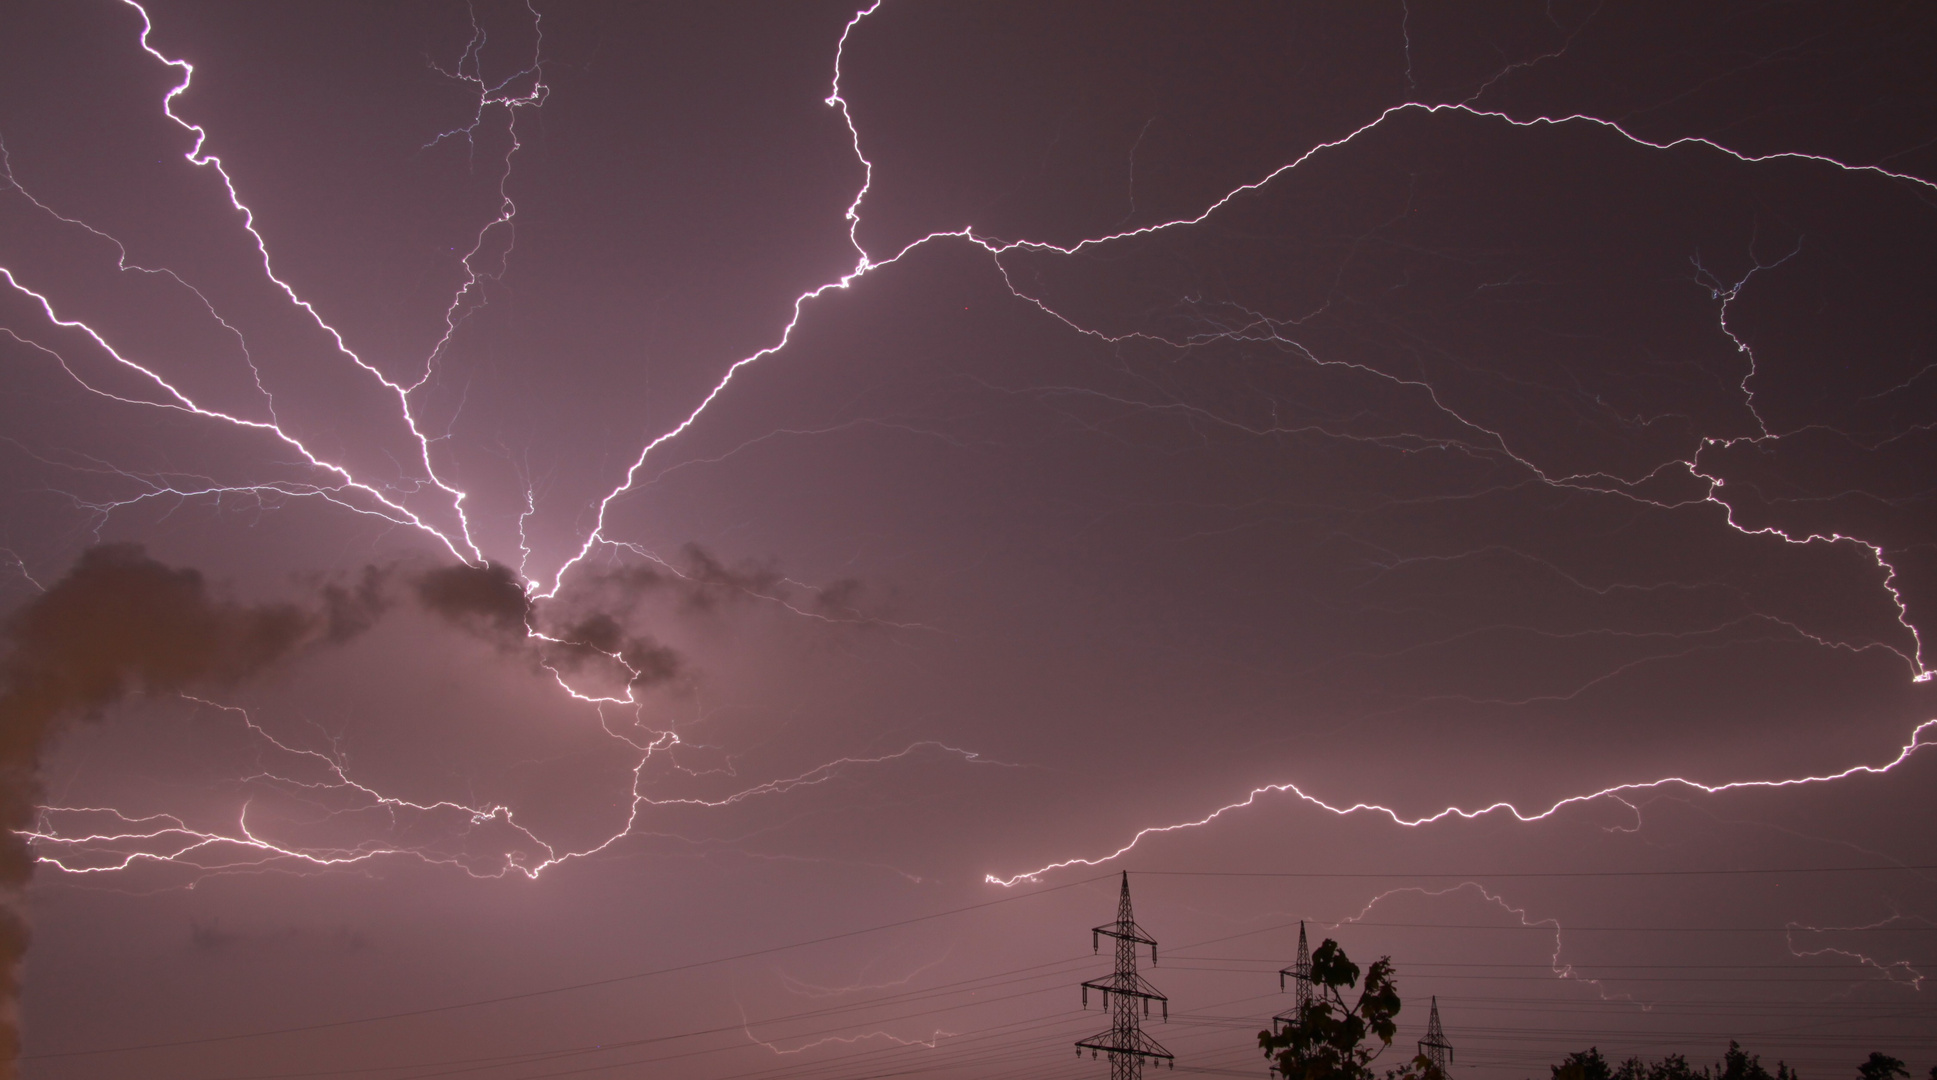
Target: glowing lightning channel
[[1890, 971], [1560, 969], [533, 94], [391, 510], [166, 838], [1920, 671], [1916, 743], [463, 546], [798, 986], [746, 1027]]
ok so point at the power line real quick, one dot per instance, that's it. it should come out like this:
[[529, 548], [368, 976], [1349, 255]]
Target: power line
[[529, 994], [1659, 929], [1414, 968], [528, 1058], [1533, 873], [536, 1056], [974, 985]]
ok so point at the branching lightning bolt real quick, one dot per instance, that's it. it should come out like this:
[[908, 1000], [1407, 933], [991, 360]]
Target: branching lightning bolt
[[1917, 742], [165, 838], [527, 89], [1560, 969], [1896, 971], [746, 1028]]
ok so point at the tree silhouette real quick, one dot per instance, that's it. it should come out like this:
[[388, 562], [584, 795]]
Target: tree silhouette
[[1736, 1064], [1585, 1064], [1329, 1039], [1882, 1067]]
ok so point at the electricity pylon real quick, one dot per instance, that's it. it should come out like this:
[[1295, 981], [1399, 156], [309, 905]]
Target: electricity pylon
[[1125, 1042], [1301, 972], [1434, 1047]]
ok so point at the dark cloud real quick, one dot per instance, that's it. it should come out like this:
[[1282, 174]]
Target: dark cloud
[[1414, 473], [213, 939], [490, 602], [349, 610], [122, 623], [486, 598], [707, 581]]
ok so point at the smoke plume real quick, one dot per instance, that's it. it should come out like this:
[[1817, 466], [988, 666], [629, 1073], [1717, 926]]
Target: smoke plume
[[121, 623], [489, 602]]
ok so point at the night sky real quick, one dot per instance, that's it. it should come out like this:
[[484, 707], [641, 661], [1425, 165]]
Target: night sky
[[695, 540]]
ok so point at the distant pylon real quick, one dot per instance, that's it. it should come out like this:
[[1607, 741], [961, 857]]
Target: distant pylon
[[1434, 1047], [1300, 972], [1125, 1042]]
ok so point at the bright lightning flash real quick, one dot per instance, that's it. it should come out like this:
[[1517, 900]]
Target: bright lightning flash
[[432, 497]]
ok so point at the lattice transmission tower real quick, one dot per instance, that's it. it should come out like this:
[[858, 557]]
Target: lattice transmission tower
[[1434, 1047], [1125, 993], [1300, 972]]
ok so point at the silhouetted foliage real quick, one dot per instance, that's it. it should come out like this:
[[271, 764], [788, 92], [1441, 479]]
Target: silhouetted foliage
[[1585, 1064], [1736, 1064], [1883, 1067], [1739, 1065], [1329, 1039]]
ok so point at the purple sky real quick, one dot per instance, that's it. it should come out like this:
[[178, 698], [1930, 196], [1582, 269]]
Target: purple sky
[[1087, 417]]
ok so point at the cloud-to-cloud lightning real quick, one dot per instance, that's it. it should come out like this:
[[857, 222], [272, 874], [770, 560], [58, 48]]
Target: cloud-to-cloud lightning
[[527, 89], [301, 804], [1924, 735]]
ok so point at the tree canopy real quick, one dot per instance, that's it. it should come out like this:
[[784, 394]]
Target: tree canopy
[[1884, 1067], [1330, 1040]]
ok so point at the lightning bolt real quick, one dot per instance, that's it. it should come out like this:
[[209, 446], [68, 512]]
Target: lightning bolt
[[336, 484], [1896, 971], [1560, 969], [746, 1026], [808, 989], [345, 486], [1917, 742], [126, 841]]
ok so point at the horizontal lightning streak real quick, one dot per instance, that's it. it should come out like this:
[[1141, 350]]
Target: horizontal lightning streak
[[367, 498], [1561, 970], [135, 839], [1891, 971], [746, 1027], [1916, 743]]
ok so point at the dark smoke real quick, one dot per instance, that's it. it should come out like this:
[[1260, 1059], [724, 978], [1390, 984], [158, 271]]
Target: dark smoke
[[709, 581], [483, 599], [489, 602], [121, 623], [350, 610]]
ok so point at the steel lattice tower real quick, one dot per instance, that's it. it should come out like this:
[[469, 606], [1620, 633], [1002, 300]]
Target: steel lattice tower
[[1434, 1047], [1125, 1042], [1300, 972]]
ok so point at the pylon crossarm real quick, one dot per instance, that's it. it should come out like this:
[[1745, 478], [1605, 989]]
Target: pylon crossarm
[[1122, 933], [1142, 1046], [1114, 984]]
